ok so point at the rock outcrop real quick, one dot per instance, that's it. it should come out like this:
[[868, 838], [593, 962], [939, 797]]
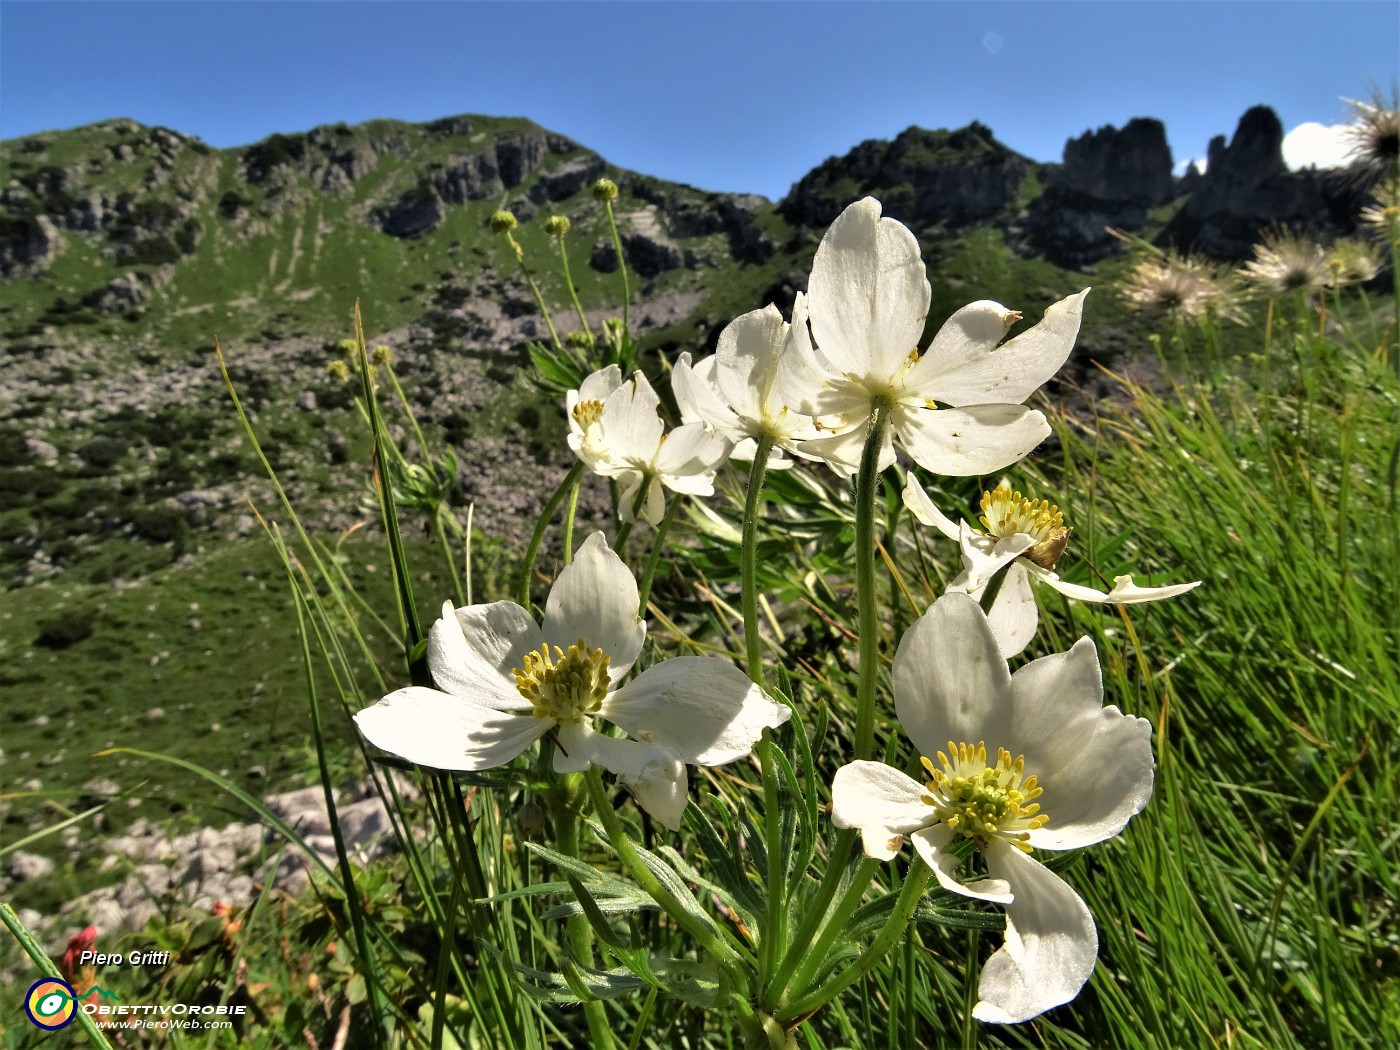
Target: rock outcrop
[[1247, 189], [926, 179], [1110, 177]]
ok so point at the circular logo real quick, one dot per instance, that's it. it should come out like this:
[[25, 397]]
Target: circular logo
[[50, 1004]]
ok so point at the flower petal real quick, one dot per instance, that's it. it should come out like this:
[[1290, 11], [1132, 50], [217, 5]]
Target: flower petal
[[1125, 591], [932, 845], [595, 598], [919, 504], [436, 729], [842, 452], [630, 429], [747, 356], [869, 292], [1051, 944], [698, 397], [1093, 763], [969, 370], [882, 802], [973, 439], [701, 707], [950, 679], [1014, 615], [472, 650], [653, 774], [983, 556], [688, 458]]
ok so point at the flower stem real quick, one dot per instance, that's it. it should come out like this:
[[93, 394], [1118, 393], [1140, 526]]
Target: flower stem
[[993, 588], [539, 299], [815, 912], [654, 559], [812, 960], [914, 882], [569, 516], [578, 934], [573, 292], [621, 266], [868, 623], [753, 508], [527, 568], [706, 935]]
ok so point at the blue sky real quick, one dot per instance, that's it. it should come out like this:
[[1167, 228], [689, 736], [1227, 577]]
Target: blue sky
[[724, 95]]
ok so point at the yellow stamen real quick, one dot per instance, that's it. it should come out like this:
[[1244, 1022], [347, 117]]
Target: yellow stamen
[[586, 413], [1007, 513], [564, 686], [983, 802]]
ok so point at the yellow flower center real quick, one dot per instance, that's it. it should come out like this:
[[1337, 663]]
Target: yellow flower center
[[983, 802], [1007, 513], [586, 413], [564, 686]]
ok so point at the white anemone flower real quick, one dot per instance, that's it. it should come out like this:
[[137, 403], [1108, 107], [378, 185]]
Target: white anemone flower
[[616, 429], [1030, 535], [735, 391], [957, 407], [504, 681], [1016, 763]]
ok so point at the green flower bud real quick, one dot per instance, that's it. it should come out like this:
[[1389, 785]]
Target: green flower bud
[[579, 339], [381, 354], [339, 370], [348, 348], [503, 222], [556, 226], [605, 191]]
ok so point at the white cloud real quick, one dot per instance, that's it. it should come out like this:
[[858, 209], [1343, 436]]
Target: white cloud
[[1182, 165], [1313, 145]]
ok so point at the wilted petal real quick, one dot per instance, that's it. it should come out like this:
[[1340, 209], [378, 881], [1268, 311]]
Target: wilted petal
[[932, 843], [1051, 944], [1125, 591], [965, 368], [477, 665], [701, 707], [442, 731], [868, 293], [974, 439], [950, 679], [595, 598], [882, 802], [629, 486]]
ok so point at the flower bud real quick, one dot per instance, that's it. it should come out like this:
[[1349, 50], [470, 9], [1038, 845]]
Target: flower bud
[[381, 354], [556, 226], [579, 339], [339, 370], [605, 191], [503, 222], [349, 348]]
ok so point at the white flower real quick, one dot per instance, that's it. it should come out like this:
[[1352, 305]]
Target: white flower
[[1033, 761], [956, 407], [1030, 535], [614, 427], [735, 391], [504, 681]]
